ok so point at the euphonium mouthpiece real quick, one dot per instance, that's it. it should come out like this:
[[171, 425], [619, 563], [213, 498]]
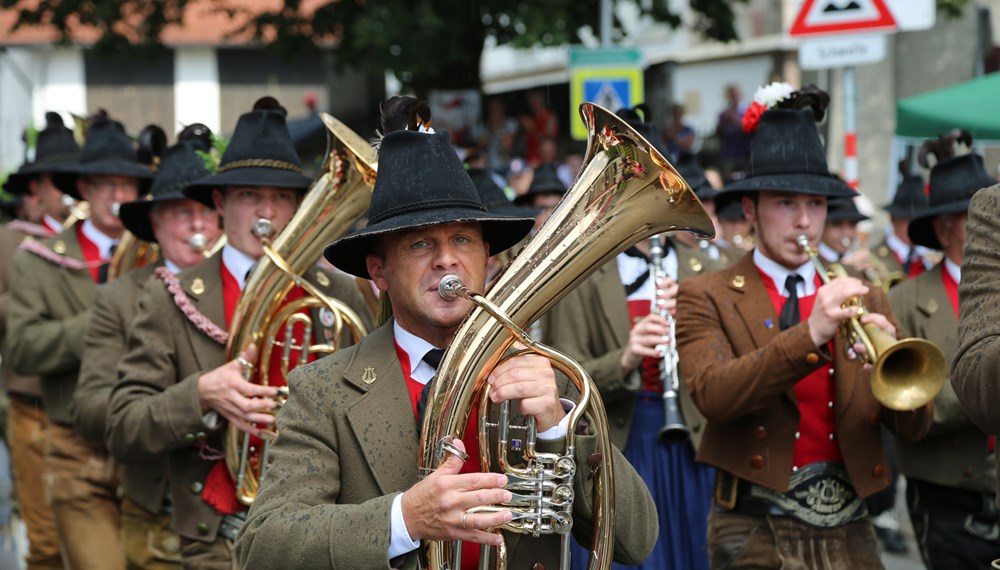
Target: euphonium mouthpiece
[[198, 242], [803, 241], [67, 200], [263, 228], [116, 208], [449, 287]]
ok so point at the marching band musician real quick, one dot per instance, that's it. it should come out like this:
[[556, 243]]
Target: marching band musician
[[949, 473], [789, 414], [50, 306], [55, 150], [897, 254], [170, 220], [343, 487], [607, 325], [174, 388], [840, 231]]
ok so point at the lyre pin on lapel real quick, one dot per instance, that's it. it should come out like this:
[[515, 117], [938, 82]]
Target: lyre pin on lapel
[[322, 279], [198, 286], [59, 247], [739, 281], [368, 376]]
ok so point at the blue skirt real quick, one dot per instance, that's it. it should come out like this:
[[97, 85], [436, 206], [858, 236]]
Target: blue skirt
[[681, 488]]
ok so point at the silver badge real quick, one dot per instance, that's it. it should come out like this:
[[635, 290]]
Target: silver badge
[[326, 317]]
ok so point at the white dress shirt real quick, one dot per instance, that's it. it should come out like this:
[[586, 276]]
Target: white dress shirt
[[98, 238], [953, 269], [828, 253], [171, 266], [630, 268], [902, 250], [237, 263], [52, 223], [779, 273]]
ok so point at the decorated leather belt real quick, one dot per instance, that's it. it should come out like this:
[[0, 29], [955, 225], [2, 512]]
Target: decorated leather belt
[[819, 495]]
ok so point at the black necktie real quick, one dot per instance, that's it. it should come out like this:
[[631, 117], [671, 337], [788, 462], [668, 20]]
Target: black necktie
[[102, 271], [910, 258], [790, 311], [433, 358]]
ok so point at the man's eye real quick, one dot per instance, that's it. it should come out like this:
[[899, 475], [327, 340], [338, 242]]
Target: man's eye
[[462, 240], [419, 244]]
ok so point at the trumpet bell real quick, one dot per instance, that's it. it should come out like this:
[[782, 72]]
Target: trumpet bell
[[908, 374]]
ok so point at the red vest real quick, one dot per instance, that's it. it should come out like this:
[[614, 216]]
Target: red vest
[[815, 440], [90, 253]]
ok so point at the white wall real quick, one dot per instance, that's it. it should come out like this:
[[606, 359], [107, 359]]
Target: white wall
[[196, 88], [16, 85], [700, 86]]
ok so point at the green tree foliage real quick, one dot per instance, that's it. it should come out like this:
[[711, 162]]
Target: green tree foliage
[[424, 42]]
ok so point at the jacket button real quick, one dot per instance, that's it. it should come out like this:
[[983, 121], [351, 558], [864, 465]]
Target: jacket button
[[967, 472], [874, 420], [621, 421], [812, 358], [189, 437], [537, 566], [760, 432], [200, 435], [202, 528], [196, 487], [594, 459], [878, 471], [757, 461]]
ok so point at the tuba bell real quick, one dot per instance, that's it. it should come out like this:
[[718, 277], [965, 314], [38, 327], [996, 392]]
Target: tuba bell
[[907, 373], [336, 200], [625, 192]]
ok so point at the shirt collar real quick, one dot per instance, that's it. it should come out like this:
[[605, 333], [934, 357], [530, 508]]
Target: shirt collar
[[902, 250], [953, 269], [415, 348], [238, 263], [98, 238], [778, 273], [52, 223], [828, 253], [171, 266]]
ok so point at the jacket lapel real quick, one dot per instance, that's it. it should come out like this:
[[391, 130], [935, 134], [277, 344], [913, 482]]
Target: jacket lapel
[[77, 285], [754, 304], [382, 418], [613, 308], [935, 308], [203, 286]]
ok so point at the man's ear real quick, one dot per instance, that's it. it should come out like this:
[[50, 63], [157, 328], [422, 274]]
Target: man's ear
[[219, 199], [749, 209], [83, 188], [376, 269]]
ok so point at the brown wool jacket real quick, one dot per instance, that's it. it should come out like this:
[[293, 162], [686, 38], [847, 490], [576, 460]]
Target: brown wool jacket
[[741, 374], [349, 446], [954, 452], [46, 321], [591, 325], [154, 408], [974, 369]]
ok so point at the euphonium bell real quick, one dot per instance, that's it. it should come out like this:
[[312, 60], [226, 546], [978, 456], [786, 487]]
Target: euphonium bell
[[906, 374], [625, 192]]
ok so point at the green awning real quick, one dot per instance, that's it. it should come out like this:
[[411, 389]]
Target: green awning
[[972, 105]]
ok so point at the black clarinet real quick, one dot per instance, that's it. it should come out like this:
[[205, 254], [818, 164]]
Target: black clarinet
[[674, 429]]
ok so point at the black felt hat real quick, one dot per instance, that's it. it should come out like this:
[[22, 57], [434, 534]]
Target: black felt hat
[[107, 151], [179, 166], [261, 153], [910, 198], [545, 181], [494, 198], [953, 183], [730, 210], [692, 172], [56, 151], [786, 155], [843, 210], [421, 182]]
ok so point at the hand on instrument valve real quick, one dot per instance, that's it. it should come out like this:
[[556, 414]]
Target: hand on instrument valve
[[829, 313], [435, 508], [226, 391], [651, 331], [530, 379]]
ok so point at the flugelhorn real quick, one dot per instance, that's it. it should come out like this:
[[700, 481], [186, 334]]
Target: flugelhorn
[[674, 429], [906, 374], [625, 192], [336, 200]]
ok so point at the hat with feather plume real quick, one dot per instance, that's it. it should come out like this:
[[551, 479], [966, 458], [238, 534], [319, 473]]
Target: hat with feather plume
[[421, 182]]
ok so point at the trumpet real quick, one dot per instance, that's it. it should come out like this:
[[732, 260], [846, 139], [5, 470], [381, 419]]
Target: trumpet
[[906, 374], [674, 429]]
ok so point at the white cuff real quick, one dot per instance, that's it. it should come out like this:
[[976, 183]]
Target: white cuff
[[558, 431], [399, 539]]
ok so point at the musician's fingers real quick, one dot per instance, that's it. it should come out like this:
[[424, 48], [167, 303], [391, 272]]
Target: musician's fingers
[[252, 390]]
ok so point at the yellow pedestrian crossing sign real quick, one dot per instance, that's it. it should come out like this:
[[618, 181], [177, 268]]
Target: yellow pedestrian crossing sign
[[609, 77]]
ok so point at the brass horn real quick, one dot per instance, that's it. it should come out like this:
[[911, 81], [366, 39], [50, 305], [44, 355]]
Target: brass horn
[[131, 253], [626, 192], [907, 373], [336, 200]]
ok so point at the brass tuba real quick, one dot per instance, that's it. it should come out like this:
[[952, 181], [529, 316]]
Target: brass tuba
[[906, 374], [626, 192], [337, 199]]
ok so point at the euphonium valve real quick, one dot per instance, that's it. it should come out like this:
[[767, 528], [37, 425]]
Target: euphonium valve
[[906, 374], [625, 192]]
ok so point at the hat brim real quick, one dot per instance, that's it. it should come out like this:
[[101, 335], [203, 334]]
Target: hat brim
[[500, 232], [65, 180], [135, 215], [17, 182], [921, 228], [201, 190], [797, 183], [846, 217]]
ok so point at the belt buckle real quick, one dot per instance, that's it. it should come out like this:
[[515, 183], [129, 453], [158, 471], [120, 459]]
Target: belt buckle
[[820, 495]]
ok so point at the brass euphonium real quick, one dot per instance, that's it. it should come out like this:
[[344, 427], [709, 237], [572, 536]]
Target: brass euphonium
[[625, 192], [336, 200], [907, 373], [131, 253]]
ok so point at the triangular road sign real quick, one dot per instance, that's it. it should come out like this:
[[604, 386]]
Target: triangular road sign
[[827, 17]]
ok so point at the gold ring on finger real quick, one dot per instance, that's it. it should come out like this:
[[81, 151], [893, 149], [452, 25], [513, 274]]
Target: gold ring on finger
[[464, 515]]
